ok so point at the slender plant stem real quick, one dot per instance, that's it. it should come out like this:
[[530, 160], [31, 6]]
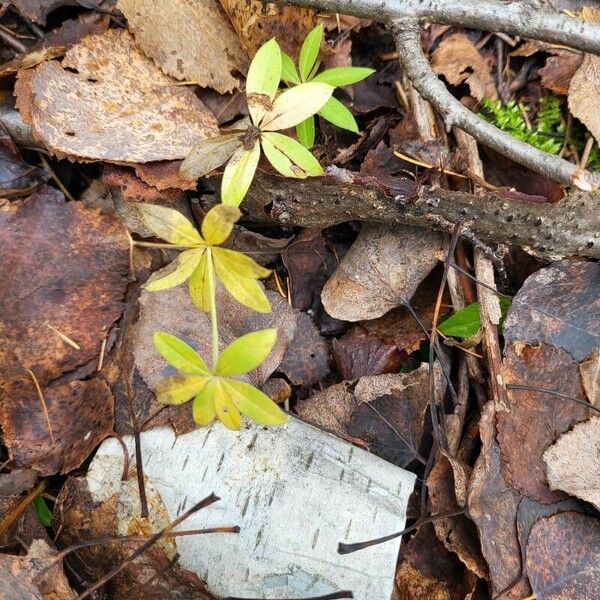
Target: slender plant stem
[[214, 325]]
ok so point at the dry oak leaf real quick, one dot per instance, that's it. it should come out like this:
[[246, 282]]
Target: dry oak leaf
[[381, 271], [563, 557], [190, 40], [255, 22], [459, 61], [573, 462], [112, 104]]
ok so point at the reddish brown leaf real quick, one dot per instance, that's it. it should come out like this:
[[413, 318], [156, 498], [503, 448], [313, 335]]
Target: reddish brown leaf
[[135, 189], [558, 71], [558, 305], [535, 420], [563, 557]]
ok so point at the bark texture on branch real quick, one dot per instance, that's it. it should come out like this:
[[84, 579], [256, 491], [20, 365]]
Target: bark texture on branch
[[529, 18], [570, 227]]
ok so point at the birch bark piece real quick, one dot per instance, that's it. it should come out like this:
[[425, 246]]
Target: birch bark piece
[[295, 491]]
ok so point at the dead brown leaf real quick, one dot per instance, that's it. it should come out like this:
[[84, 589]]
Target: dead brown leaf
[[558, 305], [112, 104], [381, 271], [563, 557], [573, 462], [459, 61], [134, 189], [256, 22], [557, 74], [584, 89], [535, 420], [38, 10], [190, 40], [590, 377], [493, 505], [17, 178]]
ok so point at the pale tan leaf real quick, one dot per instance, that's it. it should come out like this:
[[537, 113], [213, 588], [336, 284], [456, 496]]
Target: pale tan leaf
[[459, 61], [116, 105], [584, 92], [191, 40]]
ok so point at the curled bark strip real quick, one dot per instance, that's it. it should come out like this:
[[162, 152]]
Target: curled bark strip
[[566, 228]]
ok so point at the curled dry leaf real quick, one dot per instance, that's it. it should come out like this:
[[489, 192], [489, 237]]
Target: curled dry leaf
[[256, 22], [112, 104], [563, 557], [573, 462], [381, 271], [546, 367], [590, 377], [190, 40], [459, 61]]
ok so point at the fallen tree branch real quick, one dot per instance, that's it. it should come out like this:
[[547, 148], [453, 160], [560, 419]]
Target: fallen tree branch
[[569, 227], [527, 18]]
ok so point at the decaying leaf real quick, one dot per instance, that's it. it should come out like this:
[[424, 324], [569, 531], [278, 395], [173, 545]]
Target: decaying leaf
[[573, 462], [386, 411], [493, 505], [256, 22], [459, 61], [190, 40], [558, 305], [107, 101], [38, 10], [17, 178], [381, 271], [590, 377], [557, 74], [563, 557], [34, 576], [536, 419]]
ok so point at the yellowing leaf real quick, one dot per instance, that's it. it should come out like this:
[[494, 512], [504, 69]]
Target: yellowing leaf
[[225, 408], [179, 388], [203, 408], [245, 290], [185, 265], [281, 163], [209, 154], [335, 112], [295, 105], [198, 286], [296, 152], [240, 264], [310, 51], [178, 354], [246, 353], [238, 175], [168, 224], [263, 79], [218, 223], [254, 404]]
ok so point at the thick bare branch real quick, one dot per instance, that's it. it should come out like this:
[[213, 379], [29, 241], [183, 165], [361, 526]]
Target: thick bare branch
[[569, 227], [527, 18], [417, 69]]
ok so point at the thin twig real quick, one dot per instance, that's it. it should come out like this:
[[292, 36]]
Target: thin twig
[[533, 388], [38, 389]]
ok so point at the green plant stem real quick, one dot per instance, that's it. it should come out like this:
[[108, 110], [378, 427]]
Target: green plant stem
[[214, 326]]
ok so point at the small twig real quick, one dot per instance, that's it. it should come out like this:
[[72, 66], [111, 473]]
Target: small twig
[[12, 41], [38, 389], [533, 388], [16, 512], [140, 473], [66, 339], [349, 548], [149, 543]]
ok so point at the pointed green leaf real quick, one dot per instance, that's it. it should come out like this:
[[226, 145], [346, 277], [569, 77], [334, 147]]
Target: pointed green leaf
[[295, 105], [225, 408], [42, 511], [198, 286], [179, 388], [168, 224], [209, 154], [281, 163], [178, 354], [288, 69], [341, 76], [467, 321], [310, 51], [306, 132], [239, 263], [335, 112], [296, 152], [246, 290], [246, 352], [263, 79], [254, 404], [203, 408], [180, 271], [218, 223], [238, 175]]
